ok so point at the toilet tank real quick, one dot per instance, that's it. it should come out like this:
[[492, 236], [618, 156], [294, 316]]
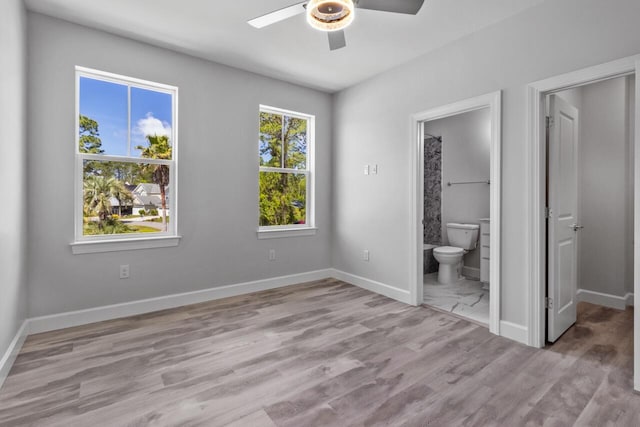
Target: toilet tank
[[463, 236]]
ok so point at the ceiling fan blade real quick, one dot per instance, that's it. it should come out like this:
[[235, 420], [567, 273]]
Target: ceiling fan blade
[[278, 15], [336, 40], [411, 7]]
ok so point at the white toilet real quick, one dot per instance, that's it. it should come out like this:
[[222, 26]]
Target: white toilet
[[462, 238]]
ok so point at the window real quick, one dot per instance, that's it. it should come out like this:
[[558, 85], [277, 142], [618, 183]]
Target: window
[[126, 152], [286, 173]]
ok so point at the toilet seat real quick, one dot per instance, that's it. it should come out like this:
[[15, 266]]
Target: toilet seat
[[449, 250]]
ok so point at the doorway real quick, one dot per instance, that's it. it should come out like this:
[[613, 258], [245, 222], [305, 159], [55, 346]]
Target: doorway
[[492, 104], [590, 199], [456, 214], [537, 182]]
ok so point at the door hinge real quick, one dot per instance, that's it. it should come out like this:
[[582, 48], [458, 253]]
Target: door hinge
[[547, 212], [550, 122], [548, 302]]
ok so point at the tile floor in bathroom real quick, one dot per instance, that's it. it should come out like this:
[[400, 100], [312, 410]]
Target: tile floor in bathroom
[[465, 298]]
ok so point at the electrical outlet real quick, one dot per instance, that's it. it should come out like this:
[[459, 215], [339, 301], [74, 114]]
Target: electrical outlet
[[366, 169], [365, 255], [272, 254], [374, 170], [124, 271]]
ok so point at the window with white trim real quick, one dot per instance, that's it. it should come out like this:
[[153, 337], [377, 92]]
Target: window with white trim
[[286, 170], [126, 150]]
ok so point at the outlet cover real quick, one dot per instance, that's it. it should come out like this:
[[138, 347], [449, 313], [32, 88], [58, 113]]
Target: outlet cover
[[124, 271], [272, 254], [365, 255]]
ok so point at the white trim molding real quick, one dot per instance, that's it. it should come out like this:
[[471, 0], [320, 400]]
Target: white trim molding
[[536, 180], [392, 292], [132, 308], [115, 242], [514, 332], [115, 311], [286, 232], [92, 247], [536, 174], [493, 101], [309, 227], [607, 300], [11, 354]]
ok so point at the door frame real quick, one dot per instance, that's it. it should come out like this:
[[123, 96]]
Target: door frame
[[493, 101], [536, 175]]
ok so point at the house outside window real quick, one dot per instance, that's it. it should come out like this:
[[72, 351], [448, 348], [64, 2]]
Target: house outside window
[[286, 173], [126, 150]]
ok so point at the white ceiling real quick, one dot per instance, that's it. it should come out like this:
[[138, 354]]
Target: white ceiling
[[289, 50]]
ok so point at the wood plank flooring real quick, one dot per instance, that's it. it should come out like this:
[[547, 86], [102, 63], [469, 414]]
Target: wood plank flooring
[[325, 353]]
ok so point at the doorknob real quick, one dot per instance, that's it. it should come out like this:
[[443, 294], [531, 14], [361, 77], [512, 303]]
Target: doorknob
[[576, 227]]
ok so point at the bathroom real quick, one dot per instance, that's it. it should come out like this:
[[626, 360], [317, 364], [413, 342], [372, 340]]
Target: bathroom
[[457, 157]]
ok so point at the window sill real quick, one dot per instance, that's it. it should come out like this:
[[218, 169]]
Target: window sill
[[287, 232], [92, 247]]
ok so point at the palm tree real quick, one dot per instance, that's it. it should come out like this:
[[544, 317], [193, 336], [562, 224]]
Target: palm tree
[[158, 148], [123, 196], [98, 191]]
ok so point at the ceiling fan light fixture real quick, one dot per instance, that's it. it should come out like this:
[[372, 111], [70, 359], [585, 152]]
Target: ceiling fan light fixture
[[330, 15]]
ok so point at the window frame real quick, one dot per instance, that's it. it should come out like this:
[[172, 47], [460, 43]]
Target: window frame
[[309, 227], [115, 242]]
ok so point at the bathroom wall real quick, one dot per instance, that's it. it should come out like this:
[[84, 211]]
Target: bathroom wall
[[432, 191], [466, 142], [605, 189]]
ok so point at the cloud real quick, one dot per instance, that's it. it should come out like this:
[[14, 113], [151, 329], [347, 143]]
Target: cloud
[[152, 126]]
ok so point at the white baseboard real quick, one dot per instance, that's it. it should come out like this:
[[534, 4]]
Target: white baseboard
[[12, 352], [98, 314], [115, 311], [607, 300], [514, 332], [630, 298], [373, 286], [471, 272]]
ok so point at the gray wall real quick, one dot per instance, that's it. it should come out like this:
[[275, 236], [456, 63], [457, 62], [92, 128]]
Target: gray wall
[[605, 245], [466, 145], [218, 174], [13, 233], [372, 126]]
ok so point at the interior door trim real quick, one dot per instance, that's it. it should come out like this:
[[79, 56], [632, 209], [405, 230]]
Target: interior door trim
[[536, 181]]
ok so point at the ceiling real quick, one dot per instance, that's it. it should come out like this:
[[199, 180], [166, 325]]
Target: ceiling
[[290, 50]]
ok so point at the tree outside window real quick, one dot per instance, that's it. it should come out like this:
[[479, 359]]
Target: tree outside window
[[284, 149], [126, 156]]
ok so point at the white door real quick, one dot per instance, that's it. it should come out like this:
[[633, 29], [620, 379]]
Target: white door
[[563, 221]]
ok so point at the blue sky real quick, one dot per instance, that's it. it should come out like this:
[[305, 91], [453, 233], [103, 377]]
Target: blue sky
[[107, 103]]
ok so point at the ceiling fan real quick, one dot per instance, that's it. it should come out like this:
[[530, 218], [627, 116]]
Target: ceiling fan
[[333, 16]]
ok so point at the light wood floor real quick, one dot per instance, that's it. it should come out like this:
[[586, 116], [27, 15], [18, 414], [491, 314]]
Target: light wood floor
[[325, 353]]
